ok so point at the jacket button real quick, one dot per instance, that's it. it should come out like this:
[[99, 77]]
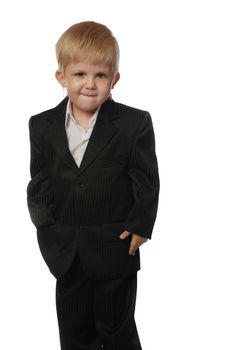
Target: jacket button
[[79, 183]]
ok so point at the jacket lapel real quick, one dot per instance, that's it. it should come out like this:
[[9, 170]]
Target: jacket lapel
[[103, 131]]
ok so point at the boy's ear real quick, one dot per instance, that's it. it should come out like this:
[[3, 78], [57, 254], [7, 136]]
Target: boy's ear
[[60, 78], [116, 79]]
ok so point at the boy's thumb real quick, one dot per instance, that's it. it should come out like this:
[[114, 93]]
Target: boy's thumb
[[124, 234]]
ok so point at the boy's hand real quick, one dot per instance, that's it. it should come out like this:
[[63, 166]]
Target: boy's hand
[[136, 241]]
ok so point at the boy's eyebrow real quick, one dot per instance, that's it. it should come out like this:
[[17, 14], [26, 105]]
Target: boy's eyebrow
[[84, 71]]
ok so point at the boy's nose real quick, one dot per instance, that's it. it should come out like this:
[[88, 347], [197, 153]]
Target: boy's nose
[[90, 83]]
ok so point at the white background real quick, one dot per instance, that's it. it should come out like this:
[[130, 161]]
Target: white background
[[176, 62]]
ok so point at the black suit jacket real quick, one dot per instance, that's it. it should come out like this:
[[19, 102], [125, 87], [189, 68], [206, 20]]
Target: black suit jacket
[[115, 188]]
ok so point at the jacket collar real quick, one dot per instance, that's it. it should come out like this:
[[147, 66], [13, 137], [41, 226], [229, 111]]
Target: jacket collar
[[103, 131]]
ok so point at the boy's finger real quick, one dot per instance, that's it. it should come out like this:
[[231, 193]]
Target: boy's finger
[[124, 234], [133, 247]]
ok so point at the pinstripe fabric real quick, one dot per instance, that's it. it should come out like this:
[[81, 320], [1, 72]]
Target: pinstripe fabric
[[86, 207], [94, 313], [79, 213]]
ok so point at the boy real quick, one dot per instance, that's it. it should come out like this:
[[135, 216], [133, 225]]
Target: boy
[[93, 193]]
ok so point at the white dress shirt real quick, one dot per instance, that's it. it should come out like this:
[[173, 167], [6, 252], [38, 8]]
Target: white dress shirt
[[77, 137]]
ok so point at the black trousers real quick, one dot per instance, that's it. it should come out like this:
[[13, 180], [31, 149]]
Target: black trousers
[[96, 314]]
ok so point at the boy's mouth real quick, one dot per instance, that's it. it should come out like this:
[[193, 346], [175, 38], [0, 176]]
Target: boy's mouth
[[89, 95]]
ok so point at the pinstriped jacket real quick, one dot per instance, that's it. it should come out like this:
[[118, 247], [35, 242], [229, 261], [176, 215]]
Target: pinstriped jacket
[[85, 208]]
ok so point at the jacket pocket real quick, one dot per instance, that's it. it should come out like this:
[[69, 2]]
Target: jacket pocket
[[111, 161], [111, 231]]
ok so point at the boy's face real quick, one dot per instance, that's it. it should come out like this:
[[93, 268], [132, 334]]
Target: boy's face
[[88, 85]]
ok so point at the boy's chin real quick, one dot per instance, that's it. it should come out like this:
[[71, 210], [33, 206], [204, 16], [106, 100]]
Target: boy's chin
[[87, 109]]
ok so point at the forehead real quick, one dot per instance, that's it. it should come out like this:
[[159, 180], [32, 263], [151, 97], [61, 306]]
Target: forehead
[[88, 66]]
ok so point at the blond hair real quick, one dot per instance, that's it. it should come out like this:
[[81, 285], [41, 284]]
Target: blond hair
[[88, 41]]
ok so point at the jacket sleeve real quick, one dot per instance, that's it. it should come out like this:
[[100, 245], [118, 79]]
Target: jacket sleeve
[[143, 171], [39, 191]]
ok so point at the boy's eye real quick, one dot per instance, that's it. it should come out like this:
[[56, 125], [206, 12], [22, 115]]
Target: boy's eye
[[79, 74], [101, 75]]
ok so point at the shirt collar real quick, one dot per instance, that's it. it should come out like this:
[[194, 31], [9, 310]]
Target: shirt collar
[[69, 115]]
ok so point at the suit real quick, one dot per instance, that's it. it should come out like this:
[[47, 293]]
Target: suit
[[84, 209]]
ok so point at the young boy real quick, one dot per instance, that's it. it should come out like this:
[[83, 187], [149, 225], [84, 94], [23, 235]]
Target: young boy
[[93, 193]]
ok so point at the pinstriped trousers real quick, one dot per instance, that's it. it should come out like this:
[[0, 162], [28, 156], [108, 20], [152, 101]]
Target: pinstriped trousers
[[96, 314]]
